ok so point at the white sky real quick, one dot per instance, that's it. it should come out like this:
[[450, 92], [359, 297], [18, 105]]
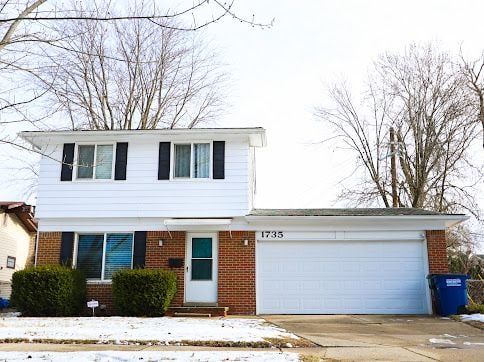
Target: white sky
[[278, 77]]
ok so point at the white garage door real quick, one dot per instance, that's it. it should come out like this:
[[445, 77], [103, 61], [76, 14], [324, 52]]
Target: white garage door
[[339, 277]]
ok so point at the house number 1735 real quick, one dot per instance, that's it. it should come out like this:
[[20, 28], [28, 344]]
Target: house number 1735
[[272, 234]]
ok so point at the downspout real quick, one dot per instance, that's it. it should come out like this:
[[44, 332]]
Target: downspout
[[36, 246]]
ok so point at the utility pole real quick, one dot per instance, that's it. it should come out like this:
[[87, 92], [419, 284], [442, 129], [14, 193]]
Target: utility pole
[[393, 164]]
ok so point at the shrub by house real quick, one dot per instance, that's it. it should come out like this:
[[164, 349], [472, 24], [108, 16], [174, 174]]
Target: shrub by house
[[143, 292], [48, 290]]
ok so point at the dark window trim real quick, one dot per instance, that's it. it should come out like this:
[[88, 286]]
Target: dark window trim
[[11, 259]]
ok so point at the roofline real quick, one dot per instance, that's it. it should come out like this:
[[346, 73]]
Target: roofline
[[31, 136], [24, 212], [449, 219]]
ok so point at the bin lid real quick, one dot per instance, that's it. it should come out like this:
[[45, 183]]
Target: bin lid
[[448, 275]]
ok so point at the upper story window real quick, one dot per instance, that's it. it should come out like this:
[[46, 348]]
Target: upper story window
[[95, 161], [192, 160]]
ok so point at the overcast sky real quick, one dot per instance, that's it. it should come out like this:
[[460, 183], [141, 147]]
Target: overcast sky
[[279, 77]]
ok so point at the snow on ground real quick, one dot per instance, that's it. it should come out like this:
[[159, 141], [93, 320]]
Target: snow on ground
[[440, 341], [124, 329], [111, 356], [472, 317]]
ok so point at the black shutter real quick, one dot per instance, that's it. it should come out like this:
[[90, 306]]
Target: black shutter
[[218, 159], [121, 161], [67, 162], [139, 251], [67, 248], [164, 161]]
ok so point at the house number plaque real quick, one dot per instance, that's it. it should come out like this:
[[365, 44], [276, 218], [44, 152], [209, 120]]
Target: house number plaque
[[272, 234]]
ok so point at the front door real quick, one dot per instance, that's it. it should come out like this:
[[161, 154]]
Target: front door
[[201, 268]]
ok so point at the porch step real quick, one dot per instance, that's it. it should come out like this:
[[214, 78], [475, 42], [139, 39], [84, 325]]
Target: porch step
[[179, 314], [197, 311]]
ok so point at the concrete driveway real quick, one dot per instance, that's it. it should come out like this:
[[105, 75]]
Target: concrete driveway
[[389, 338]]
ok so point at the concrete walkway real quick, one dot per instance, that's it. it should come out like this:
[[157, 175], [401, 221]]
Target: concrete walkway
[[389, 338], [341, 338]]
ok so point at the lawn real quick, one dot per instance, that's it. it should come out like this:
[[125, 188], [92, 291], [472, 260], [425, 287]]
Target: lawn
[[128, 330]]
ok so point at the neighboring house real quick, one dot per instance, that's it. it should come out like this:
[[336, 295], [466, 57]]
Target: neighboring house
[[182, 199], [17, 241]]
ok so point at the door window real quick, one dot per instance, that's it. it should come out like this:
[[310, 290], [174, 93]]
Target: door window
[[202, 259]]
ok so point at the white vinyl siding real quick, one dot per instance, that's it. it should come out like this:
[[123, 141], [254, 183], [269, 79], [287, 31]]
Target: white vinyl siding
[[142, 194], [14, 241]]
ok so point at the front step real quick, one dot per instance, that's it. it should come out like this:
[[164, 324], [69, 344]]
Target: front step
[[197, 311], [179, 314]]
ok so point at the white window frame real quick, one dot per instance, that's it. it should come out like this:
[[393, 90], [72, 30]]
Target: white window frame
[[95, 144], [192, 160], [103, 260]]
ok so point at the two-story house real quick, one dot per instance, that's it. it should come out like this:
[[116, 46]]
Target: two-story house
[[183, 199]]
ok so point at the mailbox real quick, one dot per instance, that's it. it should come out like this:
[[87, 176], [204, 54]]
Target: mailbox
[[175, 262]]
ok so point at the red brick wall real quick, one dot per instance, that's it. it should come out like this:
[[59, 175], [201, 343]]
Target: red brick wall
[[236, 272], [236, 268], [102, 293], [157, 257], [437, 251], [49, 248]]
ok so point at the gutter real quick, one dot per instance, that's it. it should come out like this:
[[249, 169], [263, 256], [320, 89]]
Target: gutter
[[450, 220]]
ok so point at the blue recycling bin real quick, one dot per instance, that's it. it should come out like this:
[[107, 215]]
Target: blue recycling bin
[[4, 303], [450, 292]]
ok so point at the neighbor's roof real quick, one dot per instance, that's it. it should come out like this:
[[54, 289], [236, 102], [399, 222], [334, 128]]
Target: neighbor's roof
[[24, 212], [256, 135], [346, 212]]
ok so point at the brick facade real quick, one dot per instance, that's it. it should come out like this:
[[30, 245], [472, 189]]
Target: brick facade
[[236, 272], [48, 248], [437, 251], [157, 256], [104, 294], [236, 265]]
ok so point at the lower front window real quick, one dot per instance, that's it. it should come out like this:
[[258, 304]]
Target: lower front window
[[100, 255]]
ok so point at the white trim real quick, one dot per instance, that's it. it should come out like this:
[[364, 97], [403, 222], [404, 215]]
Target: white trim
[[424, 222], [103, 260], [426, 272], [256, 135], [116, 224], [257, 271], [36, 246], [187, 269], [197, 222]]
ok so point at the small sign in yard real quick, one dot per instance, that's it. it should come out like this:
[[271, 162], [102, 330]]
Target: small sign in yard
[[93, 304]]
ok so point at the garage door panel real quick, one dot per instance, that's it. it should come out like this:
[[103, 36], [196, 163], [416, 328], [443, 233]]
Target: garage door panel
[[341, 277]]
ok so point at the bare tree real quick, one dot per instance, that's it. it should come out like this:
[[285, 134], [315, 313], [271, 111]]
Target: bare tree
[[473, 73], [132, 74], [423, 96], [26, 36]]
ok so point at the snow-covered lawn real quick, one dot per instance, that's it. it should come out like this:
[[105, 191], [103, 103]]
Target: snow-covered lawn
[[110, 356], [472, 317], [121, 330]]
